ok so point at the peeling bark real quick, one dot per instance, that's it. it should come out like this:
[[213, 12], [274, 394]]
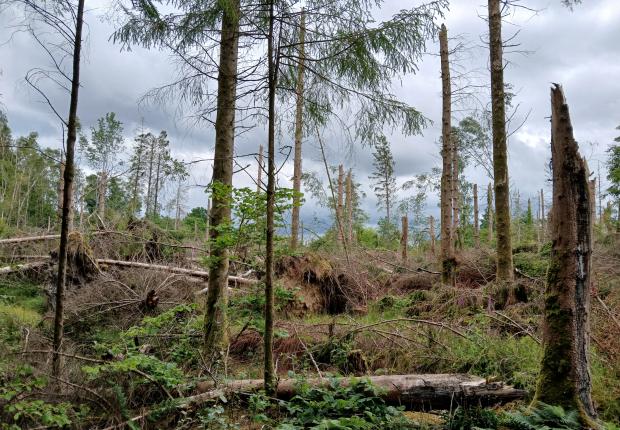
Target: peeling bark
[[565, 372]]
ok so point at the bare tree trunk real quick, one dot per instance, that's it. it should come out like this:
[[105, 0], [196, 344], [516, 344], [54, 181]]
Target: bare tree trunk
[[339, 209], [432, 234], [259, 179], [564, 377], [448, 261], [349, 207], [216, 322], [69, 174], [476, 218], [404, 239], [298, 136], [500, 150], [61, 186], [490, 213], [157, 185], [270, 383], [102, 187], [149, 184], [542, 215]]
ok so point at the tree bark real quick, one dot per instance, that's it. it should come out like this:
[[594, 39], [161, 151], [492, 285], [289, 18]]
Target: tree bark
[[259, 178], [404, 239], [490, 214], [69, 174], [216, 322], [476, 218], [564, 377], [269, 374], [339, 207], [500, 150], [102, 187], [299, 93], [349, 207], [431, 233], [448, 261], [421, 392]]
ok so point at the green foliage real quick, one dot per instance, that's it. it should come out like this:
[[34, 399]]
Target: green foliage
[[471, 418], [532, 264], [543, 417], [19, 407], [250, 306], [383, 177], [356, 405]]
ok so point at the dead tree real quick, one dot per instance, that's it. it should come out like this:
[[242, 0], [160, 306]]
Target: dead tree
[[259, 174], [476, 218], [299, 105], [339, 207], [564, 377], [348, 204], [448, 261], [404, 239], [500, 150], [69, 174], [431, 233], [490, 213]]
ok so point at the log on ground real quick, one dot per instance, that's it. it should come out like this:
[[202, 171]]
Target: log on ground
[[414, 392]]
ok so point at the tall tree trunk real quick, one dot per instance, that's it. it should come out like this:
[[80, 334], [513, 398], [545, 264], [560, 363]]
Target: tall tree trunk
[[149, 183], [542, 215], [102, 186], [490, 214], [157, 186], [431, 233], [349, 207], [404, 239], [500, 150], [61, 186], [259, 178], [69, 173], [216, 322], [564, 377], [448, 261], [476, 218], [299, 93], [339, 207], [269, 370]]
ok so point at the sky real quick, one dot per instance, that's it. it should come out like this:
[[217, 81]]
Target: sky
[[577, 49]]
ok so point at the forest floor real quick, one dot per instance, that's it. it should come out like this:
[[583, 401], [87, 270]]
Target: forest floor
[[133, 338]]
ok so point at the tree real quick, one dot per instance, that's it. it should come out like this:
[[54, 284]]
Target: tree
[[299, 105], [447, 188], [102, 154], [383, 177], [500, 150], [564, 377]]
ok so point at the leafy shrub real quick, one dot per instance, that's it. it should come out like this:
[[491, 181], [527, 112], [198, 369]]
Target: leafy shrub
[[353, 406]]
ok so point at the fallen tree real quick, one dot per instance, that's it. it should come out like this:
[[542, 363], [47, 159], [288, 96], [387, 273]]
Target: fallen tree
[[236, 280], [22, 267], [427, 392]]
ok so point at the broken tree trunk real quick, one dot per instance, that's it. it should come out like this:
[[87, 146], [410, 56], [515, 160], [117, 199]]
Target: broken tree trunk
[[564, 377], [433, 391], [448, 262], [172, 269], [431, 233], [29, 239], [348, 206], [22, 267]]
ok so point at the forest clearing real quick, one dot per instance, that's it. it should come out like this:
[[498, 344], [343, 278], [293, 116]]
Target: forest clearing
[[246, 282]]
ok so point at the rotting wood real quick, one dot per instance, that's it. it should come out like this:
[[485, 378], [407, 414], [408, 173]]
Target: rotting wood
[[432, 391], [171, 269]]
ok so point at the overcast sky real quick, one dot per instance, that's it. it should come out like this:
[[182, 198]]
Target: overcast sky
[[578, 49]]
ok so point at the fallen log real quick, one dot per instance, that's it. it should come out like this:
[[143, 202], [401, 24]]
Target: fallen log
[[29, 239], [414, 392], [235, 280], [21, 267]]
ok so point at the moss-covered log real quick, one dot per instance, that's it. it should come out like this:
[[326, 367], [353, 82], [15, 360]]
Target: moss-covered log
[[565, 373]]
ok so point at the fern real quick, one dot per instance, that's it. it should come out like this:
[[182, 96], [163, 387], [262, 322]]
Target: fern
[[544, 417]]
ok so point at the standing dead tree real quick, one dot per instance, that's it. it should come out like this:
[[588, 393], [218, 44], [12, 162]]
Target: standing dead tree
[[448, 261], [565, 371]]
